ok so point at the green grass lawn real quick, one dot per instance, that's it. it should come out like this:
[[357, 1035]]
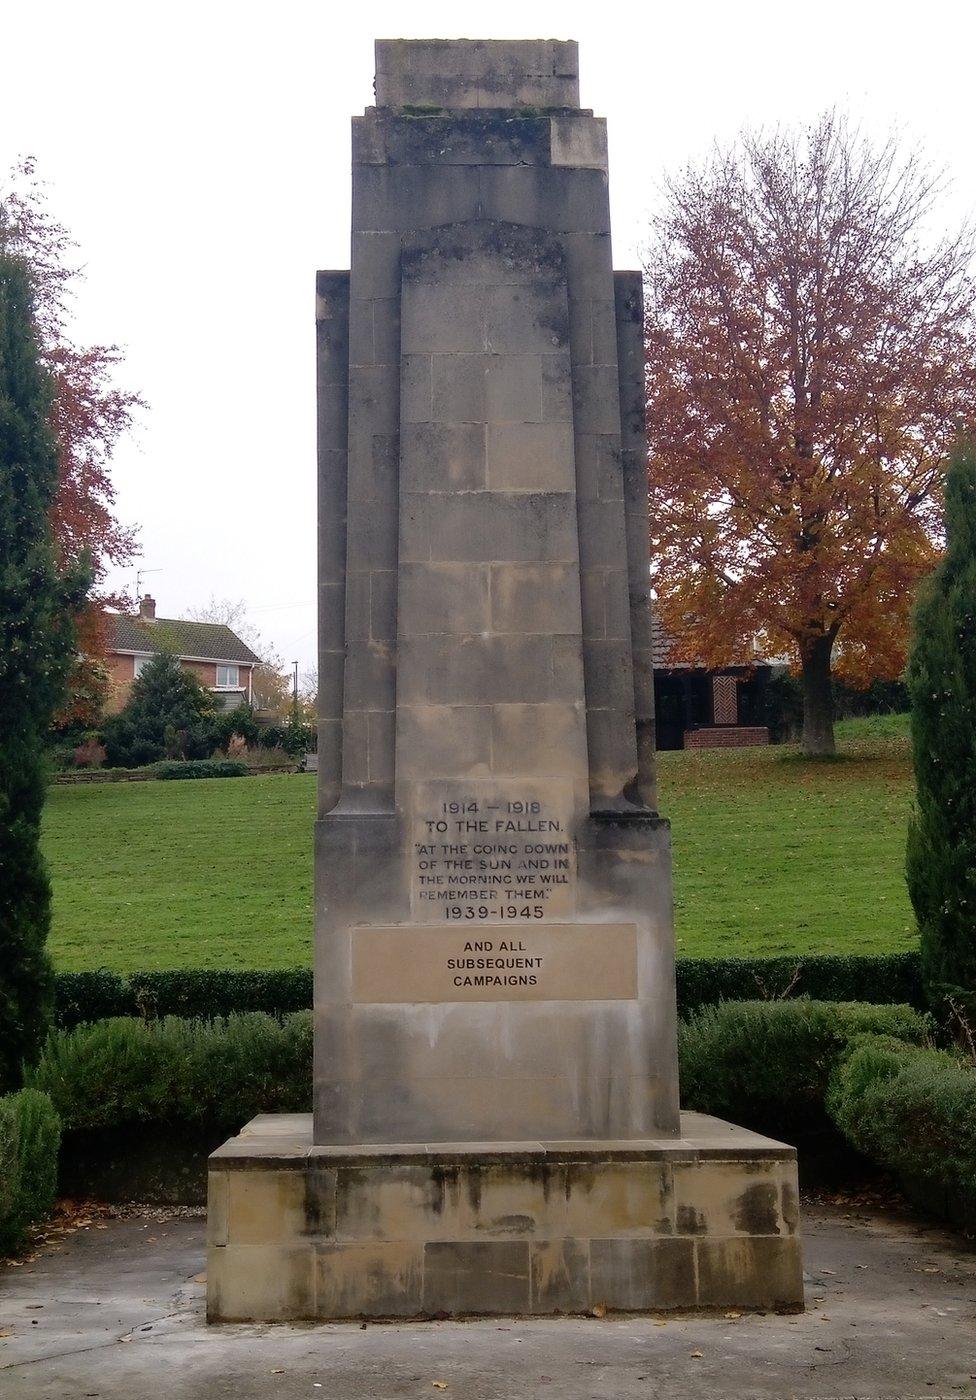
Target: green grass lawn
[[772, 855]]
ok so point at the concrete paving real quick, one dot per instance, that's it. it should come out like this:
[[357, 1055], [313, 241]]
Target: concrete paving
[[116, 1312]]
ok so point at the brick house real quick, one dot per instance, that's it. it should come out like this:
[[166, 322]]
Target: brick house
[[696, 707], [216, 656]]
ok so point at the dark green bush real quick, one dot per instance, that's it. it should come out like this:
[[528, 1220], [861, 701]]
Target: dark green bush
[[766, 1064], [30, 1134], [238, 721], [201, 768], [889, 977], [168, 714], [60, 758], [297, 737], [940, 864], [90, 996], [9, 1171], [273, 737], [176, 1070], [911, 1109], [40, 1136], [39, 598], [294, 736]]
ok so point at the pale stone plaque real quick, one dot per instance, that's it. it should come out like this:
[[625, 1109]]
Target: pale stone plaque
[[522, 961], [496, 850]]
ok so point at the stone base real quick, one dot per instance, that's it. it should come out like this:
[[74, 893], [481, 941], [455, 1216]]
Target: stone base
[[707, 1220]]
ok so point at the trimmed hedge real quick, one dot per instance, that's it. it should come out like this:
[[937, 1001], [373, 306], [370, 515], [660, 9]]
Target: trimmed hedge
[[882, 978], [767, 1064], [911, 1109], [215, 1072], [201, 768], [749, 1061], [144, 1101], [90, 996], [30, 1134]]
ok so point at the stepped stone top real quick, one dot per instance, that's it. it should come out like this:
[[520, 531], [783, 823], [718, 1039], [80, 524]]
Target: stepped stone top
[[460, 74]]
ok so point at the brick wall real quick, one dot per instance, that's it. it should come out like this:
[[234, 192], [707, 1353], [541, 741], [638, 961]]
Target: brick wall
[[121, 675], [205, 672], [119, 670], [733, 736]]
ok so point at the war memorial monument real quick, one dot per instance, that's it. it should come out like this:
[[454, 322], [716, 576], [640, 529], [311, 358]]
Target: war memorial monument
[[496, 1125]]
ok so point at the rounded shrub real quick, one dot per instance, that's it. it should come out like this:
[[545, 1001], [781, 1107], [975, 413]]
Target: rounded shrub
[[201, 768], [30, 1135], [766, 1064], [177, 1070], [911, 1109]]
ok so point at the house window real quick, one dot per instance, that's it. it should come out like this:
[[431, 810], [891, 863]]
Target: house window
[[140, 664], [228, 677]]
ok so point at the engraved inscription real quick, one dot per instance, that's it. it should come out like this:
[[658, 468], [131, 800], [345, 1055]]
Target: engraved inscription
[[486, 851], [548, 962]]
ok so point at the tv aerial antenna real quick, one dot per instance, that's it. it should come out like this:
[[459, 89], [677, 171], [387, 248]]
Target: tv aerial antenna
[[140, 573]]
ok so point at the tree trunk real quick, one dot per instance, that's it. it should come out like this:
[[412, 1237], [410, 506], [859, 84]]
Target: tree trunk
[[818, 699]]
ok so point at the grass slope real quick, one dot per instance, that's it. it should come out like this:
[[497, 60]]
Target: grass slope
[[772, 855]]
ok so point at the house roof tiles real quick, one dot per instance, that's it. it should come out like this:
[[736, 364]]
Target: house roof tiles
[[208, 641]]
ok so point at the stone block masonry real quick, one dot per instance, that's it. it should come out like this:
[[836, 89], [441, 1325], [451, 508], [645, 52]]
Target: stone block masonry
[[484, 626], [706, 1220], [496, 1124]]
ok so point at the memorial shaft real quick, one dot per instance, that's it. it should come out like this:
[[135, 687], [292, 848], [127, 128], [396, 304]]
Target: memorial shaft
[[494, 950]]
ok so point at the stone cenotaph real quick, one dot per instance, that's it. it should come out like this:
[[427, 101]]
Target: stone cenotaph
[[496, 1125]]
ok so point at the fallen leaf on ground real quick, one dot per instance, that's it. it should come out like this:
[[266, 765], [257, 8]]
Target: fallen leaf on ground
[[732, 1316], [697, 1353], [439, 1385], [199, 1278], [598, 1310]]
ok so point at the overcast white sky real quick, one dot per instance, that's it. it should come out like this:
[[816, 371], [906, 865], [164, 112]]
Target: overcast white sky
[[199, 153]]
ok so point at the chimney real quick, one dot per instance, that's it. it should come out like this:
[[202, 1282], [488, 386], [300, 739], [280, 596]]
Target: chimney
[[147, 609]]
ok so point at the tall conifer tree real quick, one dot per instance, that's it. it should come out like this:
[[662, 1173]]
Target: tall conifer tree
[[36, 651], [941, 858]]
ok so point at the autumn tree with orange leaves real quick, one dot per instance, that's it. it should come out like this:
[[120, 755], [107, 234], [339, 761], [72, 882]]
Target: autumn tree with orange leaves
[[811, 355], [90, 413]]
